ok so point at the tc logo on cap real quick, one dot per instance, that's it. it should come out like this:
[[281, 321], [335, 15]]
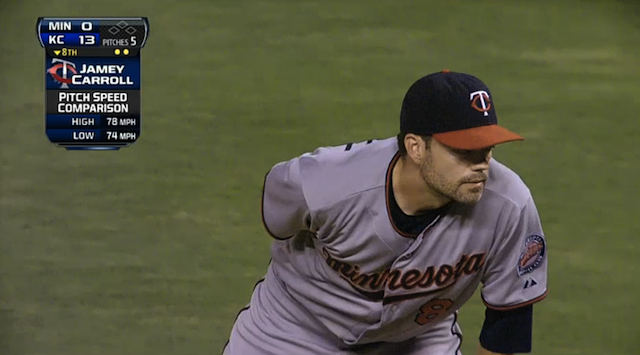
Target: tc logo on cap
[[485, 101]]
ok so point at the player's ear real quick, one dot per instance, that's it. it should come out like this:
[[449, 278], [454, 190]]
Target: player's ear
[[416, 147]]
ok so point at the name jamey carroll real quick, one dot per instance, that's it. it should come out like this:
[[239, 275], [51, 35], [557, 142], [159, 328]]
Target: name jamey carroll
[[101, 75], [92, 97]]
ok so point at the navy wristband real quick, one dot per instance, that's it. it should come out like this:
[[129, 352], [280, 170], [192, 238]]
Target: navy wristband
[[507, 332]]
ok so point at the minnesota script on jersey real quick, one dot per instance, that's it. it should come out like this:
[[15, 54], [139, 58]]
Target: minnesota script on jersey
[[340, 256]]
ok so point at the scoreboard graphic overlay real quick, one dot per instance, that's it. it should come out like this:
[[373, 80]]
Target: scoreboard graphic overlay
[[92, 79]]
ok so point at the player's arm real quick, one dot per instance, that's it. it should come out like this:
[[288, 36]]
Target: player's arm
[[284, 208], [515, 279]]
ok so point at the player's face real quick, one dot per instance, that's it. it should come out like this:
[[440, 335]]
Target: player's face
[[459, 175]]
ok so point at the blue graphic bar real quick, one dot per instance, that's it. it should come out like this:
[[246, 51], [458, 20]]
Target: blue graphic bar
[[73, 121], [72, 135], [90, 136], [93, 121], [71, 39]]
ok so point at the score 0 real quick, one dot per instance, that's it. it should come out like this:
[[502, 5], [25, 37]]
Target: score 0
[[87, 40]]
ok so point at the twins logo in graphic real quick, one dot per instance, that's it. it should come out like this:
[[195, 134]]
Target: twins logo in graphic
[[60, 72]]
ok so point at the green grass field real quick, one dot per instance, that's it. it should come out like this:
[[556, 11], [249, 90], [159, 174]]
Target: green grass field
[[153, 249]]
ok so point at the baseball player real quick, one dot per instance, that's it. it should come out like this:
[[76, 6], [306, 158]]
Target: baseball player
[[379, 243]]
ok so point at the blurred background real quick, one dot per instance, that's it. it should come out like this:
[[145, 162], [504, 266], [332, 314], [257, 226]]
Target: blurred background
[[153, 249]]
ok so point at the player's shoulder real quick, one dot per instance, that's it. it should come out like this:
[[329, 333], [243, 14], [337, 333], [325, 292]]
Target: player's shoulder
[[350, 154], [504, 185], [332, 173]]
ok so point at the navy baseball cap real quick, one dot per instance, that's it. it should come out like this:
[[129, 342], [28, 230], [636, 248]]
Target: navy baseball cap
[[456, 109]]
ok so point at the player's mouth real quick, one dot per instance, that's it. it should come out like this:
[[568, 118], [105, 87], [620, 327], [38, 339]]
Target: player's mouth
[[475, 181], [475, 184]]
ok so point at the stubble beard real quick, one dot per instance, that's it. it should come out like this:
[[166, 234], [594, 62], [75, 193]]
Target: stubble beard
[[452, 190]]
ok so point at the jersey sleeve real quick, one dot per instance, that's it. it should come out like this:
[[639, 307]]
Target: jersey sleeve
[[516, 276], [284, 208]]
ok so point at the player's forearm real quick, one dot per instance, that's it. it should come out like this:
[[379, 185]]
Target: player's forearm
[[483, 351]]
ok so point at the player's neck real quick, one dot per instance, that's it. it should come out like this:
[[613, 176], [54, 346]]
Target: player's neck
[[412, 194]]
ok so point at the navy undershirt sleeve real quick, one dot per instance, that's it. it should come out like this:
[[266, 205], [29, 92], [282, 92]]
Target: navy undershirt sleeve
[[508, 332]]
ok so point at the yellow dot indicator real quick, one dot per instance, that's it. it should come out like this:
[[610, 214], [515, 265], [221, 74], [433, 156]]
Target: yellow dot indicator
[[126, 52], [117, 52]]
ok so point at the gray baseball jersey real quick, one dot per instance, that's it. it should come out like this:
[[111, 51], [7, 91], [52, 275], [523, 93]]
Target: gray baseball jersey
[[343, 260]]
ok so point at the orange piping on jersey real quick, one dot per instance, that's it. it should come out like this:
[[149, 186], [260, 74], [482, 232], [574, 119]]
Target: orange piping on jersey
[[508, 308], [264, 223], [386, 190]]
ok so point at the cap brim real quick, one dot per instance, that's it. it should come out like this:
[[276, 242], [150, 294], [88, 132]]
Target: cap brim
[[477, 138]]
